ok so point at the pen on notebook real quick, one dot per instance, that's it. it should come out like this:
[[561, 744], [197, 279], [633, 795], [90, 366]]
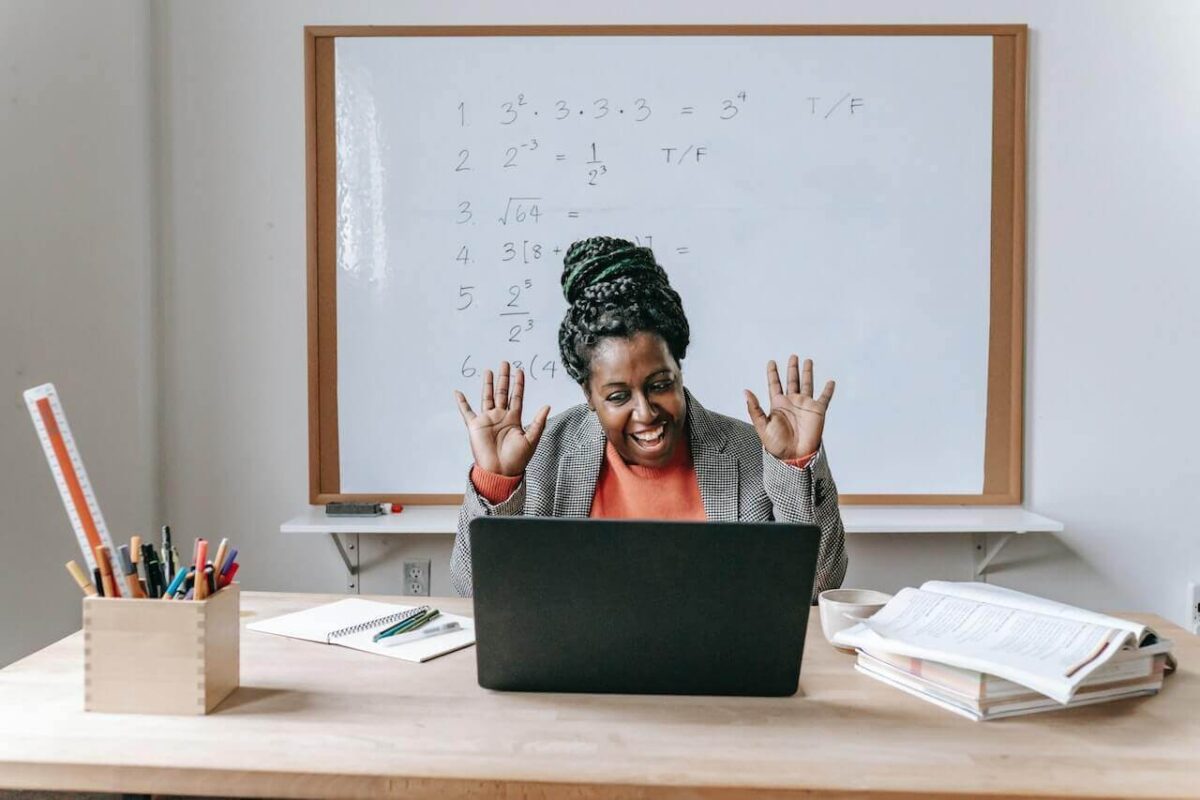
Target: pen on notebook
[[407, 625], [409, 616], [423, 633], [81, 578]]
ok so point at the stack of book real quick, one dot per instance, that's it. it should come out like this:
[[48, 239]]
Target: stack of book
[[986, 652]]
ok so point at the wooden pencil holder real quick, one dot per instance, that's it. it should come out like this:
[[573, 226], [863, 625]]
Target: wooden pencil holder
[[160, 656]]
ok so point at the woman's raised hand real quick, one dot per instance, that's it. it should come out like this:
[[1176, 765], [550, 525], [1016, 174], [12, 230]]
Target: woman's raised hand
[[797, 419], [499, 441]]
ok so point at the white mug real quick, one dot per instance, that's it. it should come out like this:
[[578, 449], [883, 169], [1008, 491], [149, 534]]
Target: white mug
[[841, 608]]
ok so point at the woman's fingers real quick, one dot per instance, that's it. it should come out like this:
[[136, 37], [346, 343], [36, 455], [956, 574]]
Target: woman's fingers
[[486, 402], [757, 416], [464, 407], [774, 388], [518, 393], [806, 380], [826, 395], [534, 431], [502, 386], [794, 374]]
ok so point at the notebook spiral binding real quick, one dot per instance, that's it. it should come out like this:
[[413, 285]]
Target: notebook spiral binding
[[390, 619]]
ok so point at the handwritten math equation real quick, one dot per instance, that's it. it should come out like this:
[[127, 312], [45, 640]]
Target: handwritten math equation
[[506, 252]]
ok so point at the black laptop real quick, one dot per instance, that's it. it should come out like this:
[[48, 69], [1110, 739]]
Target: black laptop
[[641, 607]]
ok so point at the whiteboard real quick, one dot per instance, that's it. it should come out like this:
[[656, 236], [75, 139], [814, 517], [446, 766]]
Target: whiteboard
[[823, 195]]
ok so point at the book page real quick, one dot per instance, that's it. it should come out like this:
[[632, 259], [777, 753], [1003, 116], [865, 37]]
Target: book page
[[1048, 654], [998, 595]]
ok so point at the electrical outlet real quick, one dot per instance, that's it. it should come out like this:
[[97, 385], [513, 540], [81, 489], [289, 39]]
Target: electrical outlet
[[416, 577], [1193, 616]]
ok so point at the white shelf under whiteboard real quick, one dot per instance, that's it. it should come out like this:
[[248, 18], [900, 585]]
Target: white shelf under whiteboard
[[1005, 521]]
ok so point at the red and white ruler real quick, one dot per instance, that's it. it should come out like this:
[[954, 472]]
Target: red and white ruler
[[69, 473]]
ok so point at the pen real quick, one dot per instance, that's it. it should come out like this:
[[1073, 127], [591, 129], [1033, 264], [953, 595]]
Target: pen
[[199, 586], [168, 553], [230, 557], [154, 576], [210, 585], [412, 636], [96, 582], [219, 558], [188, 577], [138, 564], [412, 614], [407, 625], [81, 578], [130, 571], [106, 575], [227, 578], [176, 582]]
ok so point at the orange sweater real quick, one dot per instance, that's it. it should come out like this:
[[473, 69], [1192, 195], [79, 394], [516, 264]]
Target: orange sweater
[[629, 491]]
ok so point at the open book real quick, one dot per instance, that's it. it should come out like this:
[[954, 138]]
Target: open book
[[1049, 647], [353, 622]]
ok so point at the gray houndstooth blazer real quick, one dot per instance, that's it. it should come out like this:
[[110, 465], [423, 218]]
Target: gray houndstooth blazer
[[739, 481]]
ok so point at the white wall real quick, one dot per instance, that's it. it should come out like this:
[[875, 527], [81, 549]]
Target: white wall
[[76, 289], [1112, 240]]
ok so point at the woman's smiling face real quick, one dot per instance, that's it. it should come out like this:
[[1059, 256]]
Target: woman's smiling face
[[636, 389]]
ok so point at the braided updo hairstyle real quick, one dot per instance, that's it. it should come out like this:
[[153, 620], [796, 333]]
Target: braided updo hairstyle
[[615, 288]]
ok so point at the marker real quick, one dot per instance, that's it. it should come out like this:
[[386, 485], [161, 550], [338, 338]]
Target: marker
[[154, 576], [210, 586], [413, 636], [135, 555], [130, 572], [229, 573], [188, 578], [219, 558], [99, 584], [201, 559], [106, 573], [168, 552], [81, 578], [176, 582], [230, 557]]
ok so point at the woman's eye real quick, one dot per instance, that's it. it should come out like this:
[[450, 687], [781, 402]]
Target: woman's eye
[[662, 386], [619, 397]]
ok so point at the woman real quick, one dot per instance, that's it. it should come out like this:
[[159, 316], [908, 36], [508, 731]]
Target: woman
[[643, 447]]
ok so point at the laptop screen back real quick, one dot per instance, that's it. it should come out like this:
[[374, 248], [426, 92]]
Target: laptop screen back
[[641, 607]]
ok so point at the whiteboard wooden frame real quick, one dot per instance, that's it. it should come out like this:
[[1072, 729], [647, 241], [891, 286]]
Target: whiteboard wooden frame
[[1002, 478]]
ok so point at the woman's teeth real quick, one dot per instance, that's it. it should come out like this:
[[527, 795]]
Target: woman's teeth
[[651, 437]]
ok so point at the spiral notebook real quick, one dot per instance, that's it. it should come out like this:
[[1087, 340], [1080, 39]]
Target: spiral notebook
[[353, 622]]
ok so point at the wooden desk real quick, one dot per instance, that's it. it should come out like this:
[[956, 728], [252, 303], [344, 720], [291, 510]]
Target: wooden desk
[[322, 721]]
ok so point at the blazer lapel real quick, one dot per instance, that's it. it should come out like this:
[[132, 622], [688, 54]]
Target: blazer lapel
[[716, 470], [579, 469]]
